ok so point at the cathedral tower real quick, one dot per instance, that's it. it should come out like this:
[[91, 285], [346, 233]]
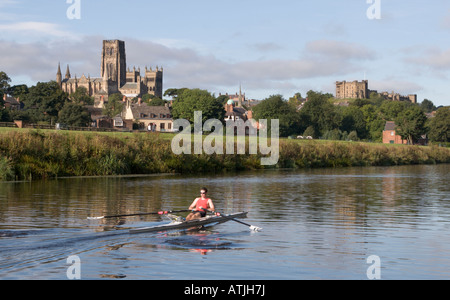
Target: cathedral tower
[[113, 68]]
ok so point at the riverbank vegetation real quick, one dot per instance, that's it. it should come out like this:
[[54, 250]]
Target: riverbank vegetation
[[39, 154]]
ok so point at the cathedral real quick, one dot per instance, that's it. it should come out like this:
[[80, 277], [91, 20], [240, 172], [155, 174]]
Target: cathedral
[[115, 77]]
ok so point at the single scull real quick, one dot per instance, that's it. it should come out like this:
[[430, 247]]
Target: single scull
[[192, 223]]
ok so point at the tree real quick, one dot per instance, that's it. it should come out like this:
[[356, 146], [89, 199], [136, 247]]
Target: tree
[[74, 114], [5, 115], [189, 101], [152, 100], [295, 100], [353, 120], [4, 86], [44, 101], [411, 124], [4, 83], [320, 113], [81, 96], [114, 106], [275, 107], [18, 90], [391, 109], [309, 132], [427, 106], [174, 93], [374, 122], [440, 125]]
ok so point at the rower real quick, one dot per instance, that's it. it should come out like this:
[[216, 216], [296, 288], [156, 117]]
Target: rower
[[201, 205]]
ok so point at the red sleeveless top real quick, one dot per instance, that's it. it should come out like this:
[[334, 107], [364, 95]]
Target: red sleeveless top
[[202, 203]]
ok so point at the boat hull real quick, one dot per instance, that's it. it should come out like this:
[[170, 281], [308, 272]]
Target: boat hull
[[191, 223]]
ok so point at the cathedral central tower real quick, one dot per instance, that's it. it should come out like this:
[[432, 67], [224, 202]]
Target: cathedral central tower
[[113, 68]]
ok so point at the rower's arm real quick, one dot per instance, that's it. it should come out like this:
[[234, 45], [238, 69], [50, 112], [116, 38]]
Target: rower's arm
[[193, 204], [211, 205]]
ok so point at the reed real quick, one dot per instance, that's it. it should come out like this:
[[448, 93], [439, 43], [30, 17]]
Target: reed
[[35, 154]]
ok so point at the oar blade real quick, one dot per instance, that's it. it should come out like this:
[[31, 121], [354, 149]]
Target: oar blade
[[95, 218], [255, 228]]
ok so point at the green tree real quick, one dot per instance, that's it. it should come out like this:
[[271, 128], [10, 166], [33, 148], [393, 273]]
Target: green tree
[[44, 101], [81, 96], [18, 90], [174, 93], [4, 86], [309, 131], [295, 100], [275, 107], [411, 124], [4, 83], [189, 101], [320, 113], [5, 115], [374, 122], [353, 120], [439, 126], [152, 100], [114, 105], [389, 110], [74, 114], [427, 106]]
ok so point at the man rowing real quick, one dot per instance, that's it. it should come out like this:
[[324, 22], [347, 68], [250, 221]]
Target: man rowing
[[202, 205]]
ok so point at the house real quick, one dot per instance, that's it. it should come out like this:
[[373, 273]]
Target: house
[[233, 112], [12, 103], [389, 135], [150, 118]]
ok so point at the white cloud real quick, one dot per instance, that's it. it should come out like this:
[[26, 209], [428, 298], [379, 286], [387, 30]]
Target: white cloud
[[431, 62], [393, 84], [445, 21], [31, 29], [339, 50], [183, 66]]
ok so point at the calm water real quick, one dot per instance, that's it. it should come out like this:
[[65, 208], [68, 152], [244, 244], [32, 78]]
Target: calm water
[[317, 224]]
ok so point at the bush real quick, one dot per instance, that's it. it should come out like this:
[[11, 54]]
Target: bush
[[35, 155]]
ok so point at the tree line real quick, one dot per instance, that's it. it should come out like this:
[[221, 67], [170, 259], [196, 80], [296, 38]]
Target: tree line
[[320, 116], [46, 103]]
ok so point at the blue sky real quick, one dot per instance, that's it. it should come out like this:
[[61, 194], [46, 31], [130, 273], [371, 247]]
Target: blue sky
[[269, 47]]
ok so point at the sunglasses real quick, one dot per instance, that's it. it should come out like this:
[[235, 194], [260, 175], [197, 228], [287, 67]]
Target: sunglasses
[[202, 192]]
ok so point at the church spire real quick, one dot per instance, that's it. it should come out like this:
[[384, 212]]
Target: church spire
[[67, 72], [59, 75], [240, 96]]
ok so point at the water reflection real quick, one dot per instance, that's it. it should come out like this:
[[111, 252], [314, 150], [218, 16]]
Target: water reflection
[[317, 224]]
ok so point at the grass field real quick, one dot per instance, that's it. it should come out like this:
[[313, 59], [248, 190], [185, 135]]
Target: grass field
[[27, 154]]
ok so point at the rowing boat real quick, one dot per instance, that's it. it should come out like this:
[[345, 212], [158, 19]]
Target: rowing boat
[[192, 223]]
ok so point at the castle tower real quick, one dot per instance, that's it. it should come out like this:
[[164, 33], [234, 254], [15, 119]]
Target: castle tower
[[113, 67]]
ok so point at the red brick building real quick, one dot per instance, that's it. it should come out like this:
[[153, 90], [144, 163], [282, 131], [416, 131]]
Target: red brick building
[[389, 135]]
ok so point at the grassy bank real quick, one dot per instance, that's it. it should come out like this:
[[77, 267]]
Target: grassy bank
[[35, 154]]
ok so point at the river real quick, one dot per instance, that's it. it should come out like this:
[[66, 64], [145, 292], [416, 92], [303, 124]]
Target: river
[[317, 224]]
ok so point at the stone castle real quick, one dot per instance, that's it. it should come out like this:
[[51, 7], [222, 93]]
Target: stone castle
[[360, 90], [115, 77]]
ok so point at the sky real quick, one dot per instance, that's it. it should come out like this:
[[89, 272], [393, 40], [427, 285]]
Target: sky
[[266, 47]]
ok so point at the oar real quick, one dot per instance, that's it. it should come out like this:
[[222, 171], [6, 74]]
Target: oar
[[164, 212], [254, 228]]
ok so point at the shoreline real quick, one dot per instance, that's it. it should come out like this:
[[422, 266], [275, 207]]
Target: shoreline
[[34, 154]]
